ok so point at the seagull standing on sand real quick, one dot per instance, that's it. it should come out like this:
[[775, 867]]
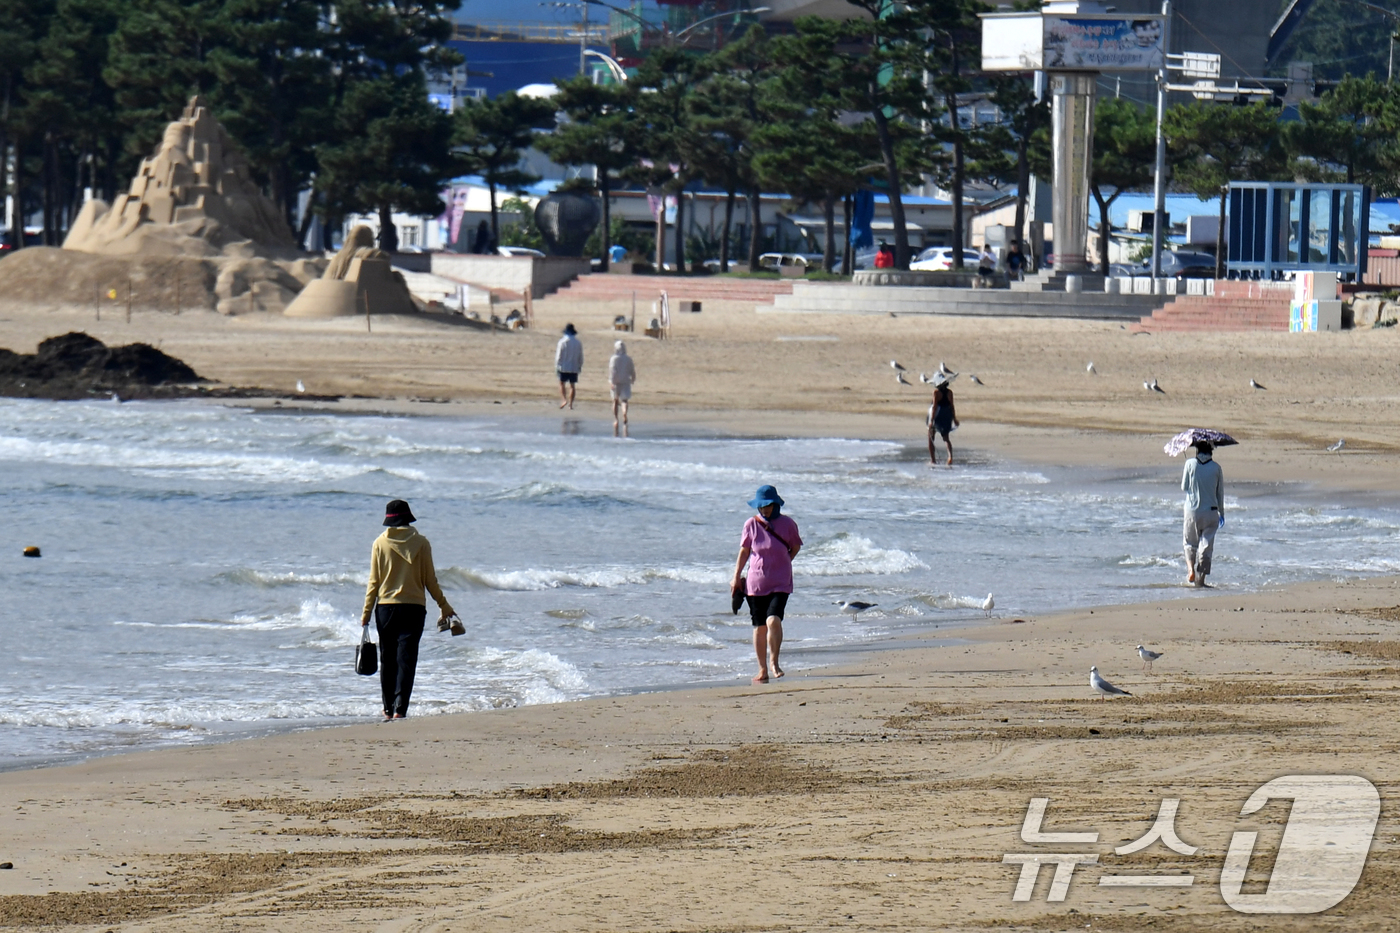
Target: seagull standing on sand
[[1153, 386], [975, 380], [1090, 369], [899, 378], [300, 386], [1341, 442], [943, 368], [1103, 688], [923, 377], [1147, 657], [1255, 385], [854, 608], [989, 604], [896, 367]]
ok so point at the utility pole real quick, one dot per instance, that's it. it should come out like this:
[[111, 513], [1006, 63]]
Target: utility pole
[[1159, 184]]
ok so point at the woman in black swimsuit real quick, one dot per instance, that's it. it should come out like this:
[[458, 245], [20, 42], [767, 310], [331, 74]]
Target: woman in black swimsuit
[[941, 417]]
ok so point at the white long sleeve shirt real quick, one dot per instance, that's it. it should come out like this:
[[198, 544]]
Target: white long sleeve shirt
[[621, 370], [568, 355]]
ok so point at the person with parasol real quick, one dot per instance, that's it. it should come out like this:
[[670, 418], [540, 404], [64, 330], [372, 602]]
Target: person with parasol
[[1204, 484]]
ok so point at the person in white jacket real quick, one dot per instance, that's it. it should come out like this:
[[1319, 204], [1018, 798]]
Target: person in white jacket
[[568, 363], [1204, 484], [622, 372]]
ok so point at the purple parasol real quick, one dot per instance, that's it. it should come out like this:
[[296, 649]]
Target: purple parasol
[[1190, 436]]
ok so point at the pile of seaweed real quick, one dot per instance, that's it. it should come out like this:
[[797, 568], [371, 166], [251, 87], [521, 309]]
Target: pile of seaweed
[[77, 366]]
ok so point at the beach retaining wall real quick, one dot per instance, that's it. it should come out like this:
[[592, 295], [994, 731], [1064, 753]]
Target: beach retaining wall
[[840, 298]]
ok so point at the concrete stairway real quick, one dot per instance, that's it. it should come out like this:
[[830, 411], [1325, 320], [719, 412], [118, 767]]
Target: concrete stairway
[[608, 286], [1235, 306], [1052, 281], [837, 298]]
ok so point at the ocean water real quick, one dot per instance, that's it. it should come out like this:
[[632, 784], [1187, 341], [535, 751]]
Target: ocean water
[[203, 566]]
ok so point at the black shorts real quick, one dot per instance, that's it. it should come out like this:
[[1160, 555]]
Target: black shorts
[[571, 378], [984, 272], [762, 607]]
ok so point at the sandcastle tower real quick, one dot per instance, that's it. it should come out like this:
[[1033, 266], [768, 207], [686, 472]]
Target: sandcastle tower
[[194, 197]]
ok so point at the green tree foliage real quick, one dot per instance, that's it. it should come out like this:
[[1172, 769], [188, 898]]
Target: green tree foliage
[[522, 232], [490, 137], [1214, 144], [1350, 134], [392, 152], [728, 111], [88, 86], [1125, 151], [596, 129], [665, 133]]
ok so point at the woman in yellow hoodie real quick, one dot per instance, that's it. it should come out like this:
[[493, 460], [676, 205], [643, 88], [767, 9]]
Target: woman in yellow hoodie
[[400, 572]]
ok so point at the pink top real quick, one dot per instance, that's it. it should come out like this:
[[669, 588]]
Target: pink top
[[770, 567]]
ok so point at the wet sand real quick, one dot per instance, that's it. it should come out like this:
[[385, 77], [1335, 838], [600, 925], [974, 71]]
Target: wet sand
[[881, 795]]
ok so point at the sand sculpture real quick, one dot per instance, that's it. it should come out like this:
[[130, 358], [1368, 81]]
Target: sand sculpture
[[359, 280], [195, 199]]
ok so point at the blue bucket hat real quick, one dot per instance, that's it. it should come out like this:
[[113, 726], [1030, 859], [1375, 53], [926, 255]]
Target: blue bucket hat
[[766, 495]]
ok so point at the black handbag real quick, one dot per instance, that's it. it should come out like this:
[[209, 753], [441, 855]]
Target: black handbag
[[366, 654]]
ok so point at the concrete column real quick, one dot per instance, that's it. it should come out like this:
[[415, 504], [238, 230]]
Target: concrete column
[[1072, 120]]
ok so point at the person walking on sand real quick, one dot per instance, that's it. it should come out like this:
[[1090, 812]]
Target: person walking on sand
[[400, 572], [622, 372], [769, 543], [568, 363], [1204, 484], [941, 418]]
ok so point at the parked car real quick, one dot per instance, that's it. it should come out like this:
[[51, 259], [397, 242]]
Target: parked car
[[940, 259], [518, 251], [1177, 264]]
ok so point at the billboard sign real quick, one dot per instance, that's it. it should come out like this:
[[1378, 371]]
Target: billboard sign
[[1103, 43]]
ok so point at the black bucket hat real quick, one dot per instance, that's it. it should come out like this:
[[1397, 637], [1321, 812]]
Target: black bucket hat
[[397, 514]]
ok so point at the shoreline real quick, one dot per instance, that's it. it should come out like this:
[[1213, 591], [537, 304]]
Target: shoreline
[[895, 786], [1008, 442], [869, 795]]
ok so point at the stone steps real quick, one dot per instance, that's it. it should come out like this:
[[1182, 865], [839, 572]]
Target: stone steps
[[1236, 306], [839, 298]]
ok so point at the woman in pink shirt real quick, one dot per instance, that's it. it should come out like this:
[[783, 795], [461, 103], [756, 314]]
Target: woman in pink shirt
[[769, 543]]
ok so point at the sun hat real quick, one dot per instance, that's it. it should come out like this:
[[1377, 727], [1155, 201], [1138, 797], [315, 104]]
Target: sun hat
[[397, 514], [766, 495], [569, 329], [939, 380]]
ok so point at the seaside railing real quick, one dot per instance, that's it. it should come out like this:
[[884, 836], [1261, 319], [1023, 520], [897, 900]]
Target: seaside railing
[[531, 32]]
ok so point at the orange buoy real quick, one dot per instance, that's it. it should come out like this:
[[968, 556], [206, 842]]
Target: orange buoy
[[31, 551]]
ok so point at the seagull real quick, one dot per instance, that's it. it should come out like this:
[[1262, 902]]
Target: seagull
[[1090, 369], [300, 386], [943, 368], [1103, 688], [1153, 386], [989, 604], [1255, 385], [1336, 448], [975, 380], [896, 367], [923, 377], [1147, 657], [854, 608], [899, 377]]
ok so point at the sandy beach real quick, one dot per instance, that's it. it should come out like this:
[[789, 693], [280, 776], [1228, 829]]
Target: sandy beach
[[878, 795]]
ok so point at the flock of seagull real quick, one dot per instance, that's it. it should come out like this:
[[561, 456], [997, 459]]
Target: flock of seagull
[[854, 607], [1105, 689], [1152, 386]]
